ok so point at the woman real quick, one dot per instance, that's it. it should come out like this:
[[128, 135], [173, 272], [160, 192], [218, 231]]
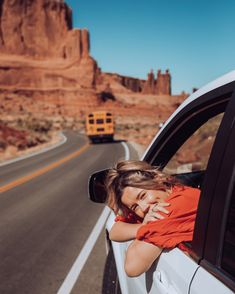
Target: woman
[[138, 194]]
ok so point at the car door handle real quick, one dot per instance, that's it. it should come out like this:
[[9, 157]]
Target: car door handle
[[162, 283]]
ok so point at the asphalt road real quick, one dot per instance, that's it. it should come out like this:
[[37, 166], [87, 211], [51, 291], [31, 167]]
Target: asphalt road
[[45, 221]]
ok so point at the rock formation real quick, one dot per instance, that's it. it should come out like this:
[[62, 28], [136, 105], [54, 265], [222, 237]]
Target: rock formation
[[159, 86], [41, 53], [41, 29], [33, 26]]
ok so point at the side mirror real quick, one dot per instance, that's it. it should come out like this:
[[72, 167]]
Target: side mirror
[[96, 187]]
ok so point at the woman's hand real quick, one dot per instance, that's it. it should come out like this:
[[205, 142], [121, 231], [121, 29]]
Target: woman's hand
[[153, 213]]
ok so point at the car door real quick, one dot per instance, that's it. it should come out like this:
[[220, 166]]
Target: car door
[[184, 148]]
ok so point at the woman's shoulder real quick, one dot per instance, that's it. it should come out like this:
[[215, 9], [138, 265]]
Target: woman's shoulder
[[182, 192], [183, 199], [182, 189]]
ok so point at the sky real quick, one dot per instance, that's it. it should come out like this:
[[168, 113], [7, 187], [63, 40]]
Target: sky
[[194, 39]]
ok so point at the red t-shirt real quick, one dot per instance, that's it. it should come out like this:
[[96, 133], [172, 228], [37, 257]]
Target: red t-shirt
[[178, 225]]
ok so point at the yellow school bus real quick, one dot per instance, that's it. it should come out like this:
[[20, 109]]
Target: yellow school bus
[[100, 126]]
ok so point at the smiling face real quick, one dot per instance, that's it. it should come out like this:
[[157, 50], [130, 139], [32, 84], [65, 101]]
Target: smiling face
[[140, 200]]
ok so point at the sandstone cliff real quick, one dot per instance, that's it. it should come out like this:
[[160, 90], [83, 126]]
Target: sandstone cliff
[[36, 28], [39, 50], [159, 85]]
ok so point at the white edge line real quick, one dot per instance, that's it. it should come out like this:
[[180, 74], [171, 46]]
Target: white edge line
[[127, 151], [64, 139], [73, 274], [80, 261]]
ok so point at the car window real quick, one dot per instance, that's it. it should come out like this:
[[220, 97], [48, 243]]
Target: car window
[[194, 154], [228, 257]]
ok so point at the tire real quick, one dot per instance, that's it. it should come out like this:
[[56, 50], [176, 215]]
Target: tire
[[110, 277]]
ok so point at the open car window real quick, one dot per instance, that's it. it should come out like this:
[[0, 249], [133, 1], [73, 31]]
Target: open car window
[[194, 154], [190, 160], [184, 147]]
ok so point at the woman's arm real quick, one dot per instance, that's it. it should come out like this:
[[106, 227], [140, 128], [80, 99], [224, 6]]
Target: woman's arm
[[121, 231], [140, 256]]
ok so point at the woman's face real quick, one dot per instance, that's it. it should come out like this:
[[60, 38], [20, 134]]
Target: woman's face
[[140, 200]]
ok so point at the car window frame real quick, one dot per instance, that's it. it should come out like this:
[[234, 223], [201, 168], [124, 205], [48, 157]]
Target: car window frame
[[159, 154], [156, 153], [223, 189], [210, 180]]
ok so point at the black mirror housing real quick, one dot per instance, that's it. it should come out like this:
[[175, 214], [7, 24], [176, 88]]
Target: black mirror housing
[[96, 186]]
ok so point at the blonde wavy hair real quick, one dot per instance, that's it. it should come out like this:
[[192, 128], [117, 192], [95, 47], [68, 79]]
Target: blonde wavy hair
[[138, 174]]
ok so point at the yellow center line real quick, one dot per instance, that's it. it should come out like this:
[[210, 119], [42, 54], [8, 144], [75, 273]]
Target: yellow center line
[[42, 170]]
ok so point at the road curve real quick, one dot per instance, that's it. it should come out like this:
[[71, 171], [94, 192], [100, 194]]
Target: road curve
[[45, 221]]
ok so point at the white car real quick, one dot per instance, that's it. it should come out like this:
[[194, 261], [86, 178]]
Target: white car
[[196, 144]]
